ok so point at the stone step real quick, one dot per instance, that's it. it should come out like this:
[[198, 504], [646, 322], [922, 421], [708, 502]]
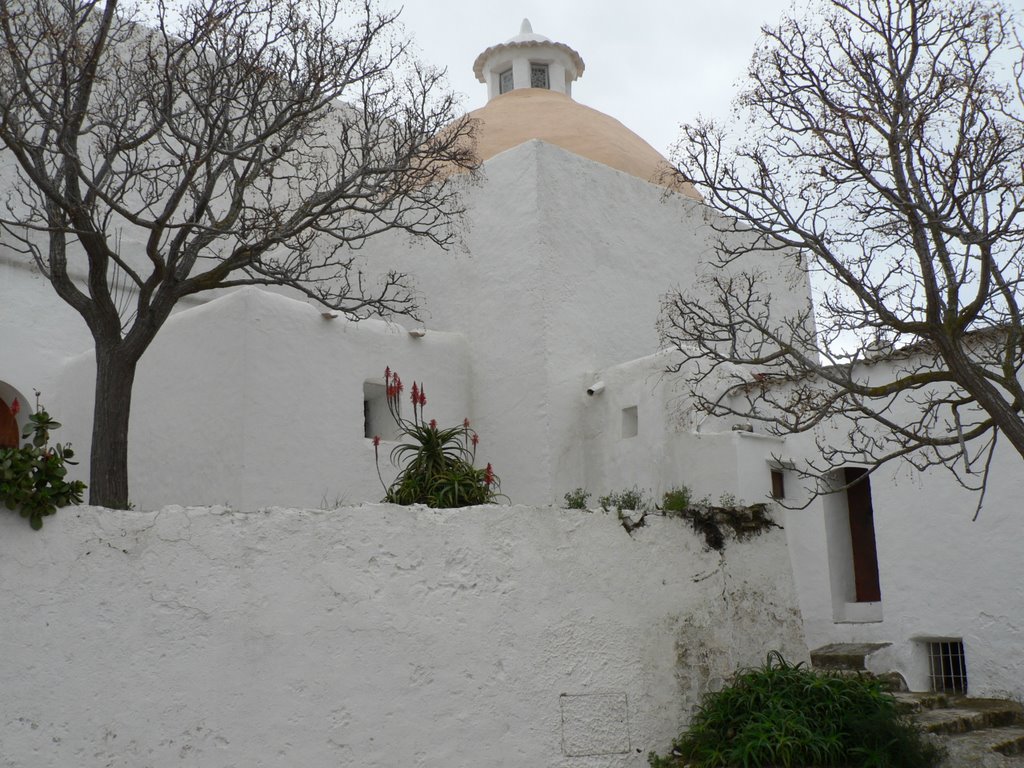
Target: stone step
[[988, 748], [911, 703], [891, 681], [1008, 740], [845, 656], [963, 714]]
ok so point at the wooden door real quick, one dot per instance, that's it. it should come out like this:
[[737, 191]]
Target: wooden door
[[862, 536]]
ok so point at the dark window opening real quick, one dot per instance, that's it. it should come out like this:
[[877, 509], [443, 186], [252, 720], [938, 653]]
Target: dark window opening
[[862, 535], [778, 484], [947, 666], [539, 76], [505, 81], [9, 433]]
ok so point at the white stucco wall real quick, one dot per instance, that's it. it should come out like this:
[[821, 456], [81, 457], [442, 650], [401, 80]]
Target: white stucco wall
[[565, 263], [942, 575], [255, 399], [39, 331], [375, 636]]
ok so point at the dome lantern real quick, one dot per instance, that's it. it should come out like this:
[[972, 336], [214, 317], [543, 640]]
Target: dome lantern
[[528, 60]]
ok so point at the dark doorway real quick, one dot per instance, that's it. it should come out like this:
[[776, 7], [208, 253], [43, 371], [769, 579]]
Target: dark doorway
[[9, 437], [862, 535]]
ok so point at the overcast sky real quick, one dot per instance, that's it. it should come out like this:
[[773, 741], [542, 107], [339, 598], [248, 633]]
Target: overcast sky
[[651, 64]]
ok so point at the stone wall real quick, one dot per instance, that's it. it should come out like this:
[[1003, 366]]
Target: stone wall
[[376, 636]]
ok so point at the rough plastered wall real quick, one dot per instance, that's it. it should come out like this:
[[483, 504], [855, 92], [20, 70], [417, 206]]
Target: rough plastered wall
[[256, 399], [566, 265], [375, 636], [943, 575]]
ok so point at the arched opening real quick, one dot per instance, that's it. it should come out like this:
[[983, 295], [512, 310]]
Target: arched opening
[[11, 423]]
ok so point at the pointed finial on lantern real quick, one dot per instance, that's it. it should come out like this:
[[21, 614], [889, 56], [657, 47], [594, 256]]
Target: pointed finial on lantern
[[525, 28]]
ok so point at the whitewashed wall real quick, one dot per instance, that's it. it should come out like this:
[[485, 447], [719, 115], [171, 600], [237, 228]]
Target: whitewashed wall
[[943, 575], [567, 260], [255, 399], [374, 636]]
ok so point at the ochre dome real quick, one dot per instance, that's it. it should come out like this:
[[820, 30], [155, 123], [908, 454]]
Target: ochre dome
[[523, 114]]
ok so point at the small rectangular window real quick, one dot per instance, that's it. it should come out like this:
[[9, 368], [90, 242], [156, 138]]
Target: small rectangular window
[[778, 484], [539, 76], [377, 420], [630, 422], [947, 666], [505, 81]]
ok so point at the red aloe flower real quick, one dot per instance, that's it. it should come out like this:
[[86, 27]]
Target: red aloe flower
[[489, 474], [387, 373], [376, 440], [423, 397], [465, 423], [433, 423], [15, 407], [415, 394], [475, 439]]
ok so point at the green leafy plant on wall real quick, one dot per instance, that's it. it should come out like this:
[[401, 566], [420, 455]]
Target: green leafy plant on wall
[[731, 518], [576, 498], [437, 465], [32, 476], [785, 715]]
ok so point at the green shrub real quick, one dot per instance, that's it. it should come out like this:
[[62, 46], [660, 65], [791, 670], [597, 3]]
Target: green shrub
[[632, 499], [32, 476], [576, 499], [437, 465], [787, 716], [676, 500]]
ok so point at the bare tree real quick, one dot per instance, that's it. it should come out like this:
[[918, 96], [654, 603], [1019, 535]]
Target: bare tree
[[185, 147], [880, 144]]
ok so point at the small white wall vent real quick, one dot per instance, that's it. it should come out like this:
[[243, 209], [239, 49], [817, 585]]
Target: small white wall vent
[[630, 422]]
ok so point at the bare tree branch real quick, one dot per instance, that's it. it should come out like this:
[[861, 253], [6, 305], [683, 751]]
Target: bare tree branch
[[194, 145], [882, 142]]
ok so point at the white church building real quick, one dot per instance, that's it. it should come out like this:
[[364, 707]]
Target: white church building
[[541, 330]]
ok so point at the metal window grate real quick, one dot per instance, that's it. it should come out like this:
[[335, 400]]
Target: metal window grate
[[948, 667], [505, 81], [539, 76]]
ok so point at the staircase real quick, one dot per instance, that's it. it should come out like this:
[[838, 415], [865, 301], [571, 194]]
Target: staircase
[[976, 733]]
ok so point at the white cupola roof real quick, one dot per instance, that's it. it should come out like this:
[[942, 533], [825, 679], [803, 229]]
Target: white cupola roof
[[528, 60]]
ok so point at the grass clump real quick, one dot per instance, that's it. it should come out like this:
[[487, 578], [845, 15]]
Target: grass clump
[[576, 498], [631, 499], [676, 501], [787, 716]]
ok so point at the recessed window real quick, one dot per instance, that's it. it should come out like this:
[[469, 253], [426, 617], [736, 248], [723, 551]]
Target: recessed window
[[505, 81], [539, 76], [862, 535], [377, 421], [947, 666], [778, 484], [630, 422]]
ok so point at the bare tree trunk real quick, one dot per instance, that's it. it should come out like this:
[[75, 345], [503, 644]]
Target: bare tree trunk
[[1004, 414], [108, 470]]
